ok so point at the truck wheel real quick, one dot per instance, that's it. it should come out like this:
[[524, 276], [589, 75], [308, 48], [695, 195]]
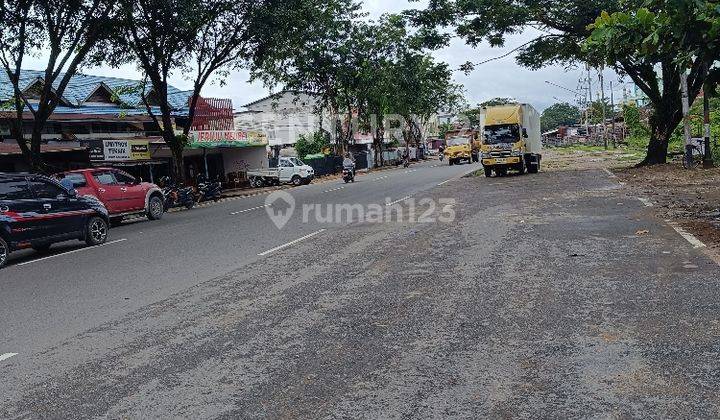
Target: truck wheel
[[534, 166], [4, 252], [521, 168], [488, 171], [296, 180], [96, 231], [155, 208], [451, 162]]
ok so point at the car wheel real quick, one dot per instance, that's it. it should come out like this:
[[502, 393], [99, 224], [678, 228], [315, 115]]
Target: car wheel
[[155, 208], [296, 180], [41, 248], [96, 231], [4, 252]]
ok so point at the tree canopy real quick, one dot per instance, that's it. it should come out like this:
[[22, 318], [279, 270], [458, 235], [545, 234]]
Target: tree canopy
[[560, 114], [633, 36], [70, 35], [669, 36]]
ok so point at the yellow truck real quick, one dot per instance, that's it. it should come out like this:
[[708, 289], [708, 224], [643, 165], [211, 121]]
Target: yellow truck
[[511, 139], [462, 145]]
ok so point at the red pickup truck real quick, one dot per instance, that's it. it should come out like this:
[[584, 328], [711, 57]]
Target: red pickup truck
[[121, 193]]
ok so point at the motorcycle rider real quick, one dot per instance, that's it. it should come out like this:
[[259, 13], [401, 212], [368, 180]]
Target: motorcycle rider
[[349, 163]]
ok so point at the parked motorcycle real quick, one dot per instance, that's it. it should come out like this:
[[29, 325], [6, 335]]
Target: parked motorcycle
[[208, 190], [177, 196], [348, 174]]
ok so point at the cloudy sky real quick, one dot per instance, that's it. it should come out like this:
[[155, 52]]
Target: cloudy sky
[[498, 78]]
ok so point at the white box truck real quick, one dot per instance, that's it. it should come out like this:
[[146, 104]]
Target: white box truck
[[511, 139]]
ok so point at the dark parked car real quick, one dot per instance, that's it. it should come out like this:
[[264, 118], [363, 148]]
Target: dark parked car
[[36, 212]]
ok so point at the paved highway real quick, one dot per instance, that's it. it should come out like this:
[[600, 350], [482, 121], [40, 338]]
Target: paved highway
[[47, 300], [553, 295]]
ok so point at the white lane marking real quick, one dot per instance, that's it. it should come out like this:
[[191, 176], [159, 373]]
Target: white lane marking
[[71, 252], [334, 189], [247, 210], [7, 356], [695, 242], [610, 173], [398, 201], [645, 201], [381, 178], [289, 244], [446, 181]]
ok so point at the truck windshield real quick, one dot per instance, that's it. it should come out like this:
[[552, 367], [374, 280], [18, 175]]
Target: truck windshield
[[458, 141], [499, 134], [296, 162]]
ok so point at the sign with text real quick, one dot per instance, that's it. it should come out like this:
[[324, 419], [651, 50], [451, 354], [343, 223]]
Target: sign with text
[[119, 150], [230, 138]]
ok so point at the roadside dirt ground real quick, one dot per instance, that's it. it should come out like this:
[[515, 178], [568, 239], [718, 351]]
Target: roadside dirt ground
[[690, 198]]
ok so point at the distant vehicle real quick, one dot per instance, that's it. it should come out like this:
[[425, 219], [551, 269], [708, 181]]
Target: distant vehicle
[[290, 170], [36, 212], [122, 194], [462, 145], [511, 139]]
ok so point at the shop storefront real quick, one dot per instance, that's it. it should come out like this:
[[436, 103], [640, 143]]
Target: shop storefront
[[226, 155], [132, 155]]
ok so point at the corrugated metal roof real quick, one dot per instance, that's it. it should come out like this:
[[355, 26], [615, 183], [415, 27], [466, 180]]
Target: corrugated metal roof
[[81, 86]]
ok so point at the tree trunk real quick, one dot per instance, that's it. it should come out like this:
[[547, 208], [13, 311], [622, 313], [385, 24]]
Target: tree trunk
[[178, 162], [662, 126]]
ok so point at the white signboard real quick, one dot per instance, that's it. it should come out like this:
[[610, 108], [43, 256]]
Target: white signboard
[[116, 150]]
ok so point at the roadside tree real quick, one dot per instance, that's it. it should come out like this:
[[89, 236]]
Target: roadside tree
[[68, 36]]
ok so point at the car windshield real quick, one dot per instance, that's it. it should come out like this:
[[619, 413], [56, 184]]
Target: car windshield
[[498, 134], [458, 141], [296, 162]]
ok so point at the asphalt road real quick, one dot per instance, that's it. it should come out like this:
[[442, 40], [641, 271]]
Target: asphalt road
[[552, 295]]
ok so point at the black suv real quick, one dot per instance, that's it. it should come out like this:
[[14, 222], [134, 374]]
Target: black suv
[[36, 212]]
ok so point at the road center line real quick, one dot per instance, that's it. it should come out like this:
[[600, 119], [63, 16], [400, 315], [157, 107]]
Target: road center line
[[289, 244], [695, 242], [247, 210], [610, 173], [7, 356], [335, 189], [445, 182], [398, 201], [71, 252]]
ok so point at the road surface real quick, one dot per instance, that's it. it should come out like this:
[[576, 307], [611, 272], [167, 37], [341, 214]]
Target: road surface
[[549, 295]]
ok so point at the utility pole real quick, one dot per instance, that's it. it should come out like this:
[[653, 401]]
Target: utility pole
[[707, 159], [686, 120], [612, 106], [590, 103], [604, 111]]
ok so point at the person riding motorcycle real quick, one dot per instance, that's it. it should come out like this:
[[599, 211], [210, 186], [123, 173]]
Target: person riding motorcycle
[[349, 163]]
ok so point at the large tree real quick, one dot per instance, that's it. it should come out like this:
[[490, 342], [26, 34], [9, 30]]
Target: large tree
[[203, 40], [563, 28], [324, 61], [655, 46], [67, 35]]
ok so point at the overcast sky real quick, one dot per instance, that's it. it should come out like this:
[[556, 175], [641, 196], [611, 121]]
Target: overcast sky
[[501, 78]]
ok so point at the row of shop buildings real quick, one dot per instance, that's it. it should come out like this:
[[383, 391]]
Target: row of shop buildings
[[102, 121]]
